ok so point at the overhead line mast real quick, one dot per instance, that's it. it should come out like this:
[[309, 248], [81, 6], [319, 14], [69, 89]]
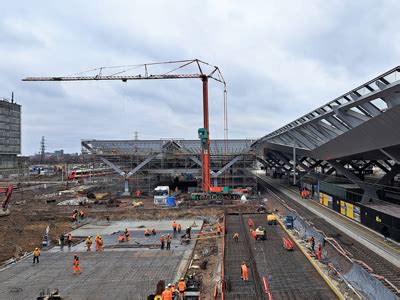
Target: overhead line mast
[[213, 73]]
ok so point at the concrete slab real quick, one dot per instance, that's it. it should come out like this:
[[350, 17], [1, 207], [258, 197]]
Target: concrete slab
[[122, 271]]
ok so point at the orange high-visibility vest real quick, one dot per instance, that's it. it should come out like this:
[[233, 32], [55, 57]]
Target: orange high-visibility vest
[[166, 295], [162, 239], [181, 286]]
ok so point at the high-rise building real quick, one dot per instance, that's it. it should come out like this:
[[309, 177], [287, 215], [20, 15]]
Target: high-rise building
[[10, 136]]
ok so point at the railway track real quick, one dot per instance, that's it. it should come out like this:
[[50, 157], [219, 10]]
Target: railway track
[[235, 254], [379, 265]]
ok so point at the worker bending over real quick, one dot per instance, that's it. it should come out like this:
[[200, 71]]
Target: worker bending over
[[36, 254], [88, 243], [245, 272]]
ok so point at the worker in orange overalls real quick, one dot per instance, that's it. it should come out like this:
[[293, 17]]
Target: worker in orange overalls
[[77, 268], [167, 294], [181, 287], [99, 243], [245, 272], [179, 228], [174, 227], [236, 237], [162, 241], [126, 234]]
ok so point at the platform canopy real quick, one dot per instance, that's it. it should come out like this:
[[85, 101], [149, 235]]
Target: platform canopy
[[146, 147], [361, 124]]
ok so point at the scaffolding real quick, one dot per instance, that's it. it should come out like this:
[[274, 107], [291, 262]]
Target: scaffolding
[[144, 164]]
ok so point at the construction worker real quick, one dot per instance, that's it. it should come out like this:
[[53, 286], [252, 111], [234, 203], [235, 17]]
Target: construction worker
[[88, 243], [162, 240], [76, 268], [74, 217], [167, 294], [99, 243], [319, 251], [121, 238], [181, 287], [188, 230], [245, 272], [147, 232], [81, 214], [174, 225], [62, 239], [153, 232], [126, 234], [219, 230], [179, 228], [172, 289], [36, 254], [236, 237], [69, 241], [254, 234], [312, 242], [169, 239]]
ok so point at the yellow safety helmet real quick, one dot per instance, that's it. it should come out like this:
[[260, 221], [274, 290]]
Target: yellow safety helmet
[[36, 248]]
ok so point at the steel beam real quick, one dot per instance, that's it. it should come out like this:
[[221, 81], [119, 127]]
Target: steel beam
[[228, 165]]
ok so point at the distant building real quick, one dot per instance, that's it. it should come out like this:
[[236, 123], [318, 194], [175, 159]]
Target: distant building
[[59, 153], [10, 136]]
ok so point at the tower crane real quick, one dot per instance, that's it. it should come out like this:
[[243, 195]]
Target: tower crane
[[115, 73]]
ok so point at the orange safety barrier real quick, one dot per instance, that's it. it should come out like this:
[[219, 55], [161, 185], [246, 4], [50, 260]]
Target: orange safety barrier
[[266, 288], [287, 244]]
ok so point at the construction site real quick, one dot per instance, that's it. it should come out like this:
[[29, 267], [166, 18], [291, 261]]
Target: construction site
[[211, 218]]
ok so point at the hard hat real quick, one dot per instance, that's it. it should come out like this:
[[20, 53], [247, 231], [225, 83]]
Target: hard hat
[[182, 278], [243, 263], [169, 285], [36, 248]]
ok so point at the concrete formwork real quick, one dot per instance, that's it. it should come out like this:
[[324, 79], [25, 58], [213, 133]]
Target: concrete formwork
[[123, 271]]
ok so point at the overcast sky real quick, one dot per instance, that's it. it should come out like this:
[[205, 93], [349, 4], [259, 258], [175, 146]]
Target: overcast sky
[[280, 60]]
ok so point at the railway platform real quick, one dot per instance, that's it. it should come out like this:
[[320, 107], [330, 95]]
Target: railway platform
[[390, 250]]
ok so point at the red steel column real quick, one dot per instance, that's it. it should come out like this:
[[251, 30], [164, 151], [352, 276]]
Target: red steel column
[[206, 146]]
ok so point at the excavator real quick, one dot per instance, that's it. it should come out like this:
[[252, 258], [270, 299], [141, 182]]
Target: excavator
[[4, 211]]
